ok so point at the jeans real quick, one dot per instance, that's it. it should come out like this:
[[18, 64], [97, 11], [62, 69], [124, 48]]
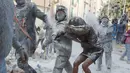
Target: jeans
[[2, 65], [119, 37], [108, 60], [127, 52]]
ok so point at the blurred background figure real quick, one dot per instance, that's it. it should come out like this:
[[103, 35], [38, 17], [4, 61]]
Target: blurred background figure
[[40, 35], [25, 17], [127, 46], [114, 25], [105, 39], [121, 28]]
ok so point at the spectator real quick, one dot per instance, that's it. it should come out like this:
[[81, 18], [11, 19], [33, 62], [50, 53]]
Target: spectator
[[121, 28], [127, 46], [114, 22]]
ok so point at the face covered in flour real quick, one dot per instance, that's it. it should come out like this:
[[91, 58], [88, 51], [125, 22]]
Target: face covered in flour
[[104, 25], [104, 21], [61, 13]]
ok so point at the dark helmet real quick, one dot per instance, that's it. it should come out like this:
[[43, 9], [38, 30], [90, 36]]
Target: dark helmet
[[61, 8], [115, 21], [76, 21]]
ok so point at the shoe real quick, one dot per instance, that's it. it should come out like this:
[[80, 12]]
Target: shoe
[[128, 62], [99, 69]]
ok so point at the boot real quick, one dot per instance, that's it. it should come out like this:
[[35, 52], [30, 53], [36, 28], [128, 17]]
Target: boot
[[99, 68], [128, 62]]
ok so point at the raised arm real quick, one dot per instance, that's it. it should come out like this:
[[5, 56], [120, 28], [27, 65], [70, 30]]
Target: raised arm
[[38, 13], [41, 15], [79, 30]]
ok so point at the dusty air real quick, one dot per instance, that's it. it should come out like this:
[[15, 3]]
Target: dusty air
[[64, 36]]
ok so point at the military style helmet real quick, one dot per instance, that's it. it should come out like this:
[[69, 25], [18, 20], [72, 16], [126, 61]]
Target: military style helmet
[[61, 8]]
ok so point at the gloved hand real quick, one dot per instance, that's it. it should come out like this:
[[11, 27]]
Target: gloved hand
[[59, 34], [38, 29], [44, 46], [21, 54]]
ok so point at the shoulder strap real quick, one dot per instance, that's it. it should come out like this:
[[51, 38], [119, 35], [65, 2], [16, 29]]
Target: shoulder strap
[[16, 20]]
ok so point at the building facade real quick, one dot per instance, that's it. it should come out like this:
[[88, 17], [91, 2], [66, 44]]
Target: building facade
[[75, 7]]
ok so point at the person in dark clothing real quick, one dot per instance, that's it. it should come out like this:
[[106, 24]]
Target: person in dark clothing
[[105, 39], [127, 46], [63, 45], [121, 28], [84, 34], [25, 16], [114, 25]]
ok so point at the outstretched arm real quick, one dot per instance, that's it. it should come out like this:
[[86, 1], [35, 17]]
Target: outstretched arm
[[78, 30], [67, 32], [38, 13], [72, 37], [42, 16]]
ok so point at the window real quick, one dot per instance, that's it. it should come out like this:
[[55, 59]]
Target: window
[[72, 9], [72, 2], [78, 1], [85, 8]]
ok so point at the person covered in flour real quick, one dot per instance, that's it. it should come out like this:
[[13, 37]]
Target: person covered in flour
[[63, 45], [25, 16], [105, 40], [78, 30]]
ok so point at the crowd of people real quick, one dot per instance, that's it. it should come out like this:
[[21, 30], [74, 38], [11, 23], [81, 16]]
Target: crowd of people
[[119, 27], [17, 29], [121, 34]]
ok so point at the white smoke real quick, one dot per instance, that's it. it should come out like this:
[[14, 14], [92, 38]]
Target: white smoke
[[92, 20], [51, 17]]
